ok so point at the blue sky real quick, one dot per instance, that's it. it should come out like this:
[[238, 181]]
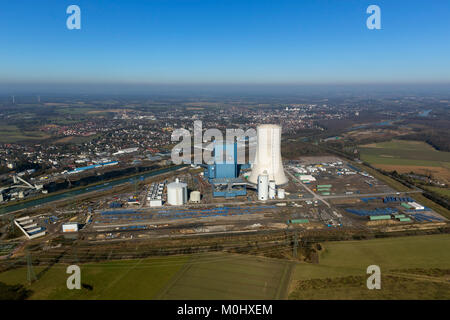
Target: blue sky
[[218, 41]]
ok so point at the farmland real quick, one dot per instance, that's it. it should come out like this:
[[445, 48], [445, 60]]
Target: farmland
[[445, 192], [411, 268], [11, 133], [128, 279], [406, 156], [209, 276], [406, 263], [226, 276]]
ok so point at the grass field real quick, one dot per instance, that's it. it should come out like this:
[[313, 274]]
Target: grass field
[[445, 192], [226, 276], [404, 151], [394, 286], [343, 266], [406, 156], [340, 274], [11, 134], [208, 276], [129, 279]]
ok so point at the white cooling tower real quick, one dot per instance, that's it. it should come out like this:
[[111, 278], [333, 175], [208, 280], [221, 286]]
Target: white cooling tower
[[268, 155]]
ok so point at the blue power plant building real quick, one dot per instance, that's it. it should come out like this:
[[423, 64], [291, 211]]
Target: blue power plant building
[[225, 162], [224, 173]]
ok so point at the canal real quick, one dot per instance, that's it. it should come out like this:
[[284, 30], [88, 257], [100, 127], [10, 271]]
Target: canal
[[87, 189]]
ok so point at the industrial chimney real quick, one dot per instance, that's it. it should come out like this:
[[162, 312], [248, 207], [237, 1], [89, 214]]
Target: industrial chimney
[[268, 155]]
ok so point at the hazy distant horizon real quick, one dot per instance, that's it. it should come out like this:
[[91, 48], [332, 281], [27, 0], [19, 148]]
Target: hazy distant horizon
[[220, 89]]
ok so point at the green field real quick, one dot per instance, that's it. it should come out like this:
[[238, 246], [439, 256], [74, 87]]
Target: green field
[[128, 279], [227, 276], [403, 152], [412, 267], [208, 276], [11, 134], [445, 192], [342, 269]]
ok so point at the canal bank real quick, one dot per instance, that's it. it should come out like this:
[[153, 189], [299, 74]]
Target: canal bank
[[79, 191]]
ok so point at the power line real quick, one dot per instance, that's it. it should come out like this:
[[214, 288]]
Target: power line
[[295, 248], [31, 276]]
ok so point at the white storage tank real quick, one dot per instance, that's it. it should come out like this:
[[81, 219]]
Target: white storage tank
[[177, 193], [263, 186], [272, 189], [195, 197], [281, 194]]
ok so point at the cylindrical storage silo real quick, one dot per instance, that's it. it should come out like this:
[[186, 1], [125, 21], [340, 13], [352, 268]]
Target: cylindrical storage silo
[[281, 194], [177, 193], [263, 186], [195, 197], [272, 189]]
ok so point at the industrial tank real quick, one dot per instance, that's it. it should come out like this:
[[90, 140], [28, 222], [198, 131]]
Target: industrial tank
[[281, 194], [272, 189], [177, 193], [263, 186], [195, 197]]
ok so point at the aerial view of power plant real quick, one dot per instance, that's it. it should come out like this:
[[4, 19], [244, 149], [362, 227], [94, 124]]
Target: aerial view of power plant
[[224, 159]]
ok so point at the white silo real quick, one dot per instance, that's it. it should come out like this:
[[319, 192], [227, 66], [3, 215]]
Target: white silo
[[177, 193], [268, 155], [281, 194], [272, 189], [195, 197], [263, 186]]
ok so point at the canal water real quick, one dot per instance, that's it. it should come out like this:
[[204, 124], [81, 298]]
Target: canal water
[[70, 194]]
